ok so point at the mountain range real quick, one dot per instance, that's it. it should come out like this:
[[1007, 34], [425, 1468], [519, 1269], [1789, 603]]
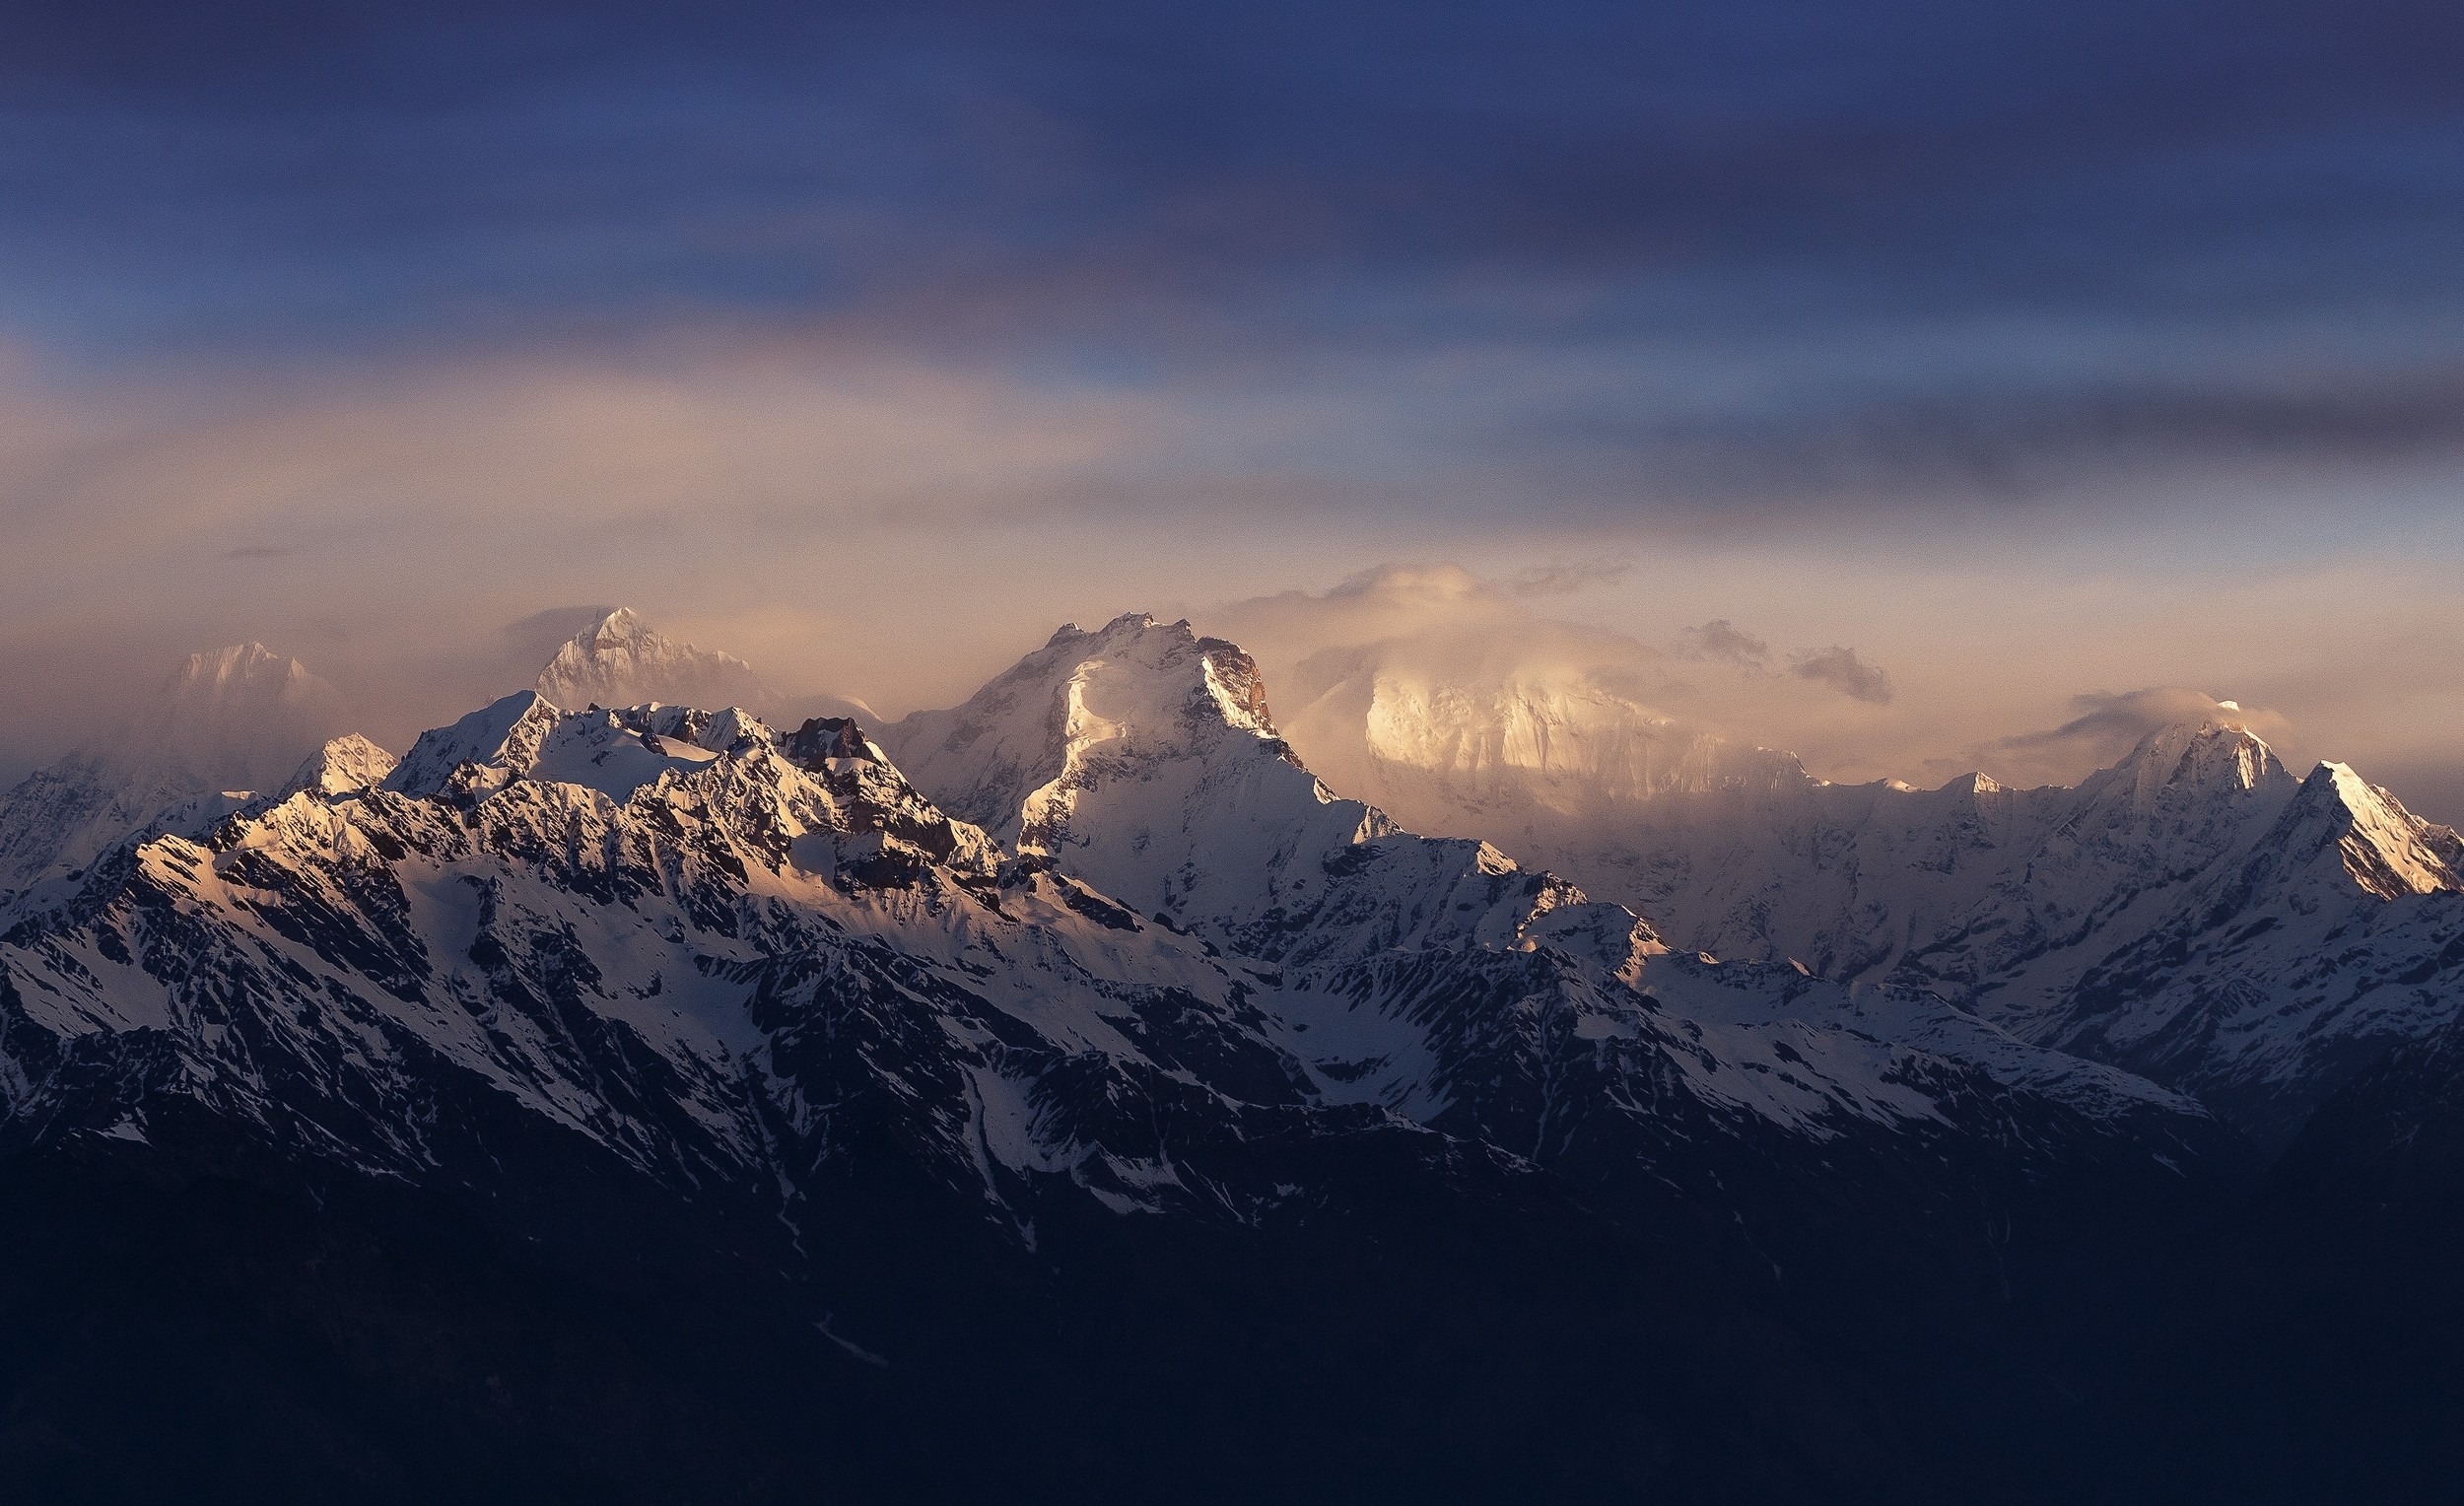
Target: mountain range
[[2196, 913], [1068, 1095]]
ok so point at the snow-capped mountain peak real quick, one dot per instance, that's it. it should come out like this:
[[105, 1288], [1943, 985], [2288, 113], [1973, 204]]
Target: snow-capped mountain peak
[[560, 901], [2193, 760], [2195, 910], [1489, 735], [214, 673], [1013, 755], [505, 734], [671, 953], [343, 766], [622, 661], [1142, 759], [2385, 849], [238, 717]]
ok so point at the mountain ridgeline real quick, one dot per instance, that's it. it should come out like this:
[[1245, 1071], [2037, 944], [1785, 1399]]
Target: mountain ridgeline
[[1068, 1096]]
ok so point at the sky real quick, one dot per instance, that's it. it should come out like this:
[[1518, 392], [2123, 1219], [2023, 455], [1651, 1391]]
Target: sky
[[2010, 374]]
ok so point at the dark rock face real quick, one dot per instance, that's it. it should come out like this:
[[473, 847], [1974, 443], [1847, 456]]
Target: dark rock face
[[2332, 1295]]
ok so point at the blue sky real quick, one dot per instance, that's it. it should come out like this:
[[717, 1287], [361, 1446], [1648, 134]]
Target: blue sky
[[2028, 293]]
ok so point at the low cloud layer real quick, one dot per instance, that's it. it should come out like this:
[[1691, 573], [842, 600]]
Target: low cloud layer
[[897, 531]]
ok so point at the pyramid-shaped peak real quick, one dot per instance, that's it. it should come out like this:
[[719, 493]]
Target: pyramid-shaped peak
[[2211, 755], [622, 661], [2386, 848], [1169, 655], [622, 624], [506, 731], [343, 766], [1134, 688], [1182, 667]]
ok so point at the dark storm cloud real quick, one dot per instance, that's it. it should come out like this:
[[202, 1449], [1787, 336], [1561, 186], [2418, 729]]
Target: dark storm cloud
[[265, 163], [1997, 438], [1559, 254], [749, 307]]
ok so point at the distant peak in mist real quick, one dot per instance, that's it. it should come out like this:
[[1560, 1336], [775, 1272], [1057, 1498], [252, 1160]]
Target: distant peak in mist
[[238, 718], [620, 660]]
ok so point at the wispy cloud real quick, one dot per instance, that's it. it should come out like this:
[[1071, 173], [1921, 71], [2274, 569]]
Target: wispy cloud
[[1723, 641], [1842, 670], [1565, 579]]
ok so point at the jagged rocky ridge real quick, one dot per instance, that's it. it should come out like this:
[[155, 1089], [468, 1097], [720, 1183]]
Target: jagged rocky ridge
[[2196, 913], [640, 923]]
